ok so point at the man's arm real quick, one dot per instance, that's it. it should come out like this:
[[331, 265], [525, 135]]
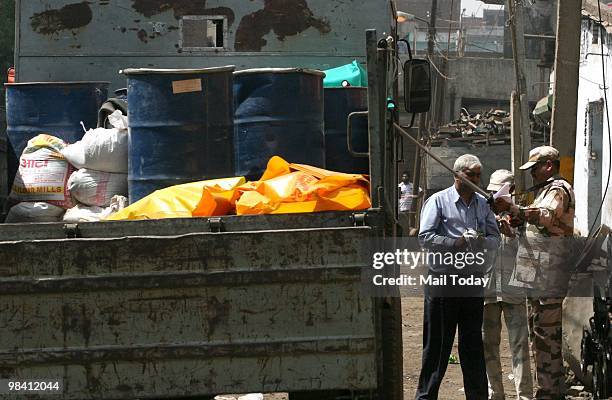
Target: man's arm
[[428, 231], [492, 237]]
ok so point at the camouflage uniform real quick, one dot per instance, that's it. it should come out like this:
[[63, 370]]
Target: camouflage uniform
[[542, 266], [500, 299]]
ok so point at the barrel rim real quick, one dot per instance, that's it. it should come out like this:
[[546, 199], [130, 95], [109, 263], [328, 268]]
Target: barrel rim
[[309, 71], [176, 71], [76, 83]]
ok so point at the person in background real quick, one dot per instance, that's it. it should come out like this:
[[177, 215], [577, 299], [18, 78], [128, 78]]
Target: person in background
[[455, 221], [406, 198], [500, 299], [405, 193]]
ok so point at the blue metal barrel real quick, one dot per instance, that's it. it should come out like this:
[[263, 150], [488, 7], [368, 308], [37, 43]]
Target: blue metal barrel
[[278, 111], [56, 108], [180, 125], [339, 103]]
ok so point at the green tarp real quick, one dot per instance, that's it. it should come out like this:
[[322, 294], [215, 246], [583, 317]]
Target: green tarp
[[353, 73]]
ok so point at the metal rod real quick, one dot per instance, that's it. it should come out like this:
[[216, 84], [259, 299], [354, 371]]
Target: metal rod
[[471, 184], [545, 37]]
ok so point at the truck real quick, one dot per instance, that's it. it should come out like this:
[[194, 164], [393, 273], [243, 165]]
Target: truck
[[192, 308]]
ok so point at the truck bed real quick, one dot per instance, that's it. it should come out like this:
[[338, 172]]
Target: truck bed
[[190, 307]]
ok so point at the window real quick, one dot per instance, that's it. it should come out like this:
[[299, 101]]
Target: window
[[199, 32]]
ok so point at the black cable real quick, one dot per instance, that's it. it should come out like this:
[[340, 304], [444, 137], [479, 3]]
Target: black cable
[[605, 91]]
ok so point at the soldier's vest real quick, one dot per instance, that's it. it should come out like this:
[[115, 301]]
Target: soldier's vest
[[543, 258]]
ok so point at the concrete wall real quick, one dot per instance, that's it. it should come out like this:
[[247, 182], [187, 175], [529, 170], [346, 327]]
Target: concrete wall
[[592, 157], [490, 79], [492, 158]]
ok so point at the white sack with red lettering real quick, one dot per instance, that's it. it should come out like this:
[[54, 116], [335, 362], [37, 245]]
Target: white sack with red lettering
[[43, 173]]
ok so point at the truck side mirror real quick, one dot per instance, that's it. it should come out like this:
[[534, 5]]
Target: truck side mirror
[[417, 86]]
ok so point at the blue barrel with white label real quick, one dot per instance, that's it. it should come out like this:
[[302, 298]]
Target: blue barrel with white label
[[278, 111], [339, 103], [60, 109], [180, 127]]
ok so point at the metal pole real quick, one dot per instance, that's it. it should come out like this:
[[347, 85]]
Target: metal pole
[[471, 184]]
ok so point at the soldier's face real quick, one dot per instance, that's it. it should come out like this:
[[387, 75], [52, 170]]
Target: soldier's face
[[541, 171]]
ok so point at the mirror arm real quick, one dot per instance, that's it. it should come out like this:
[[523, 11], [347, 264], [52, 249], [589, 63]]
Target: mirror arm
[[408, 46]]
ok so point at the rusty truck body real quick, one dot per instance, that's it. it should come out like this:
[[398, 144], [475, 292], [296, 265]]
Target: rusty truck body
[[191, 308]]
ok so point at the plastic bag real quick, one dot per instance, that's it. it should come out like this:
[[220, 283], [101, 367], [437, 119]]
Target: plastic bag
[[43, 173], [102, 149], [83, 213], [353, 73], [96, 188], [295, 188], [180, 200], [34, 212]]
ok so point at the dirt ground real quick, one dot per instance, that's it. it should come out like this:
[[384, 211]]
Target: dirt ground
[[452, 386]]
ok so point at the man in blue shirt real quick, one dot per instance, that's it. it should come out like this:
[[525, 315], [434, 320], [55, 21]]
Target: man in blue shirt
[[459, 224]]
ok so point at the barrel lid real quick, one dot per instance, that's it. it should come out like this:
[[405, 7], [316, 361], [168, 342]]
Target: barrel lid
[[57, 83], [280, 71], [143, 71]]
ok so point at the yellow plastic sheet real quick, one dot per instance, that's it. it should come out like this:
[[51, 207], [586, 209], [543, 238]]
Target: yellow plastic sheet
[[180, 200], [295, 188], [283, 188]]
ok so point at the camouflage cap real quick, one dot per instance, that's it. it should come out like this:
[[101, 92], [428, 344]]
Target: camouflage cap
[[542, 153], [498, 178]]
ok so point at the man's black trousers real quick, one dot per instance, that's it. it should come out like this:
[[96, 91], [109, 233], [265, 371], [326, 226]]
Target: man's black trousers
[[442, 317]]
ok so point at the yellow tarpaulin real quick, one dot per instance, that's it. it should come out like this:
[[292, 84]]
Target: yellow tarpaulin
[[176, 201], [283, 188], [296, 188]]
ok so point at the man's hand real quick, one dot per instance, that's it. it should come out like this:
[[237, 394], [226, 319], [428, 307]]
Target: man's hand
[[500, 204], [460, 242], [506, 228]]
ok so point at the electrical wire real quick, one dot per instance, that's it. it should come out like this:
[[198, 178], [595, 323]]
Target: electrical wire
[[438, 70], [605, 92]]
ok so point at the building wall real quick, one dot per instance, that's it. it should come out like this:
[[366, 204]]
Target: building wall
[[590, 168], [492, 158], [489, 79], [422, 8]]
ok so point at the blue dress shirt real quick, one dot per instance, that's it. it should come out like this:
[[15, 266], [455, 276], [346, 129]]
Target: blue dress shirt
[[445, 217]]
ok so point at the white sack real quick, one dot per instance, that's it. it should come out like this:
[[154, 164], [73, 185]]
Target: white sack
[[43, 173], [34, 212], [102, 149], [96, 188], [83, 213]]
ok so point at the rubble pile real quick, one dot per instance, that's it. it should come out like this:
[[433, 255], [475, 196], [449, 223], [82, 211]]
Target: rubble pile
[[493, 125]]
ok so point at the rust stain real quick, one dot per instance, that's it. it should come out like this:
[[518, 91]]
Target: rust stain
[[142, 35], [71, 16], [284, 17], [149, 8], [218, 313]]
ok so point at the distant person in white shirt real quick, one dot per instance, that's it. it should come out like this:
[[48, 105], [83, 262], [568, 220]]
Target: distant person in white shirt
[[405, 193]]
